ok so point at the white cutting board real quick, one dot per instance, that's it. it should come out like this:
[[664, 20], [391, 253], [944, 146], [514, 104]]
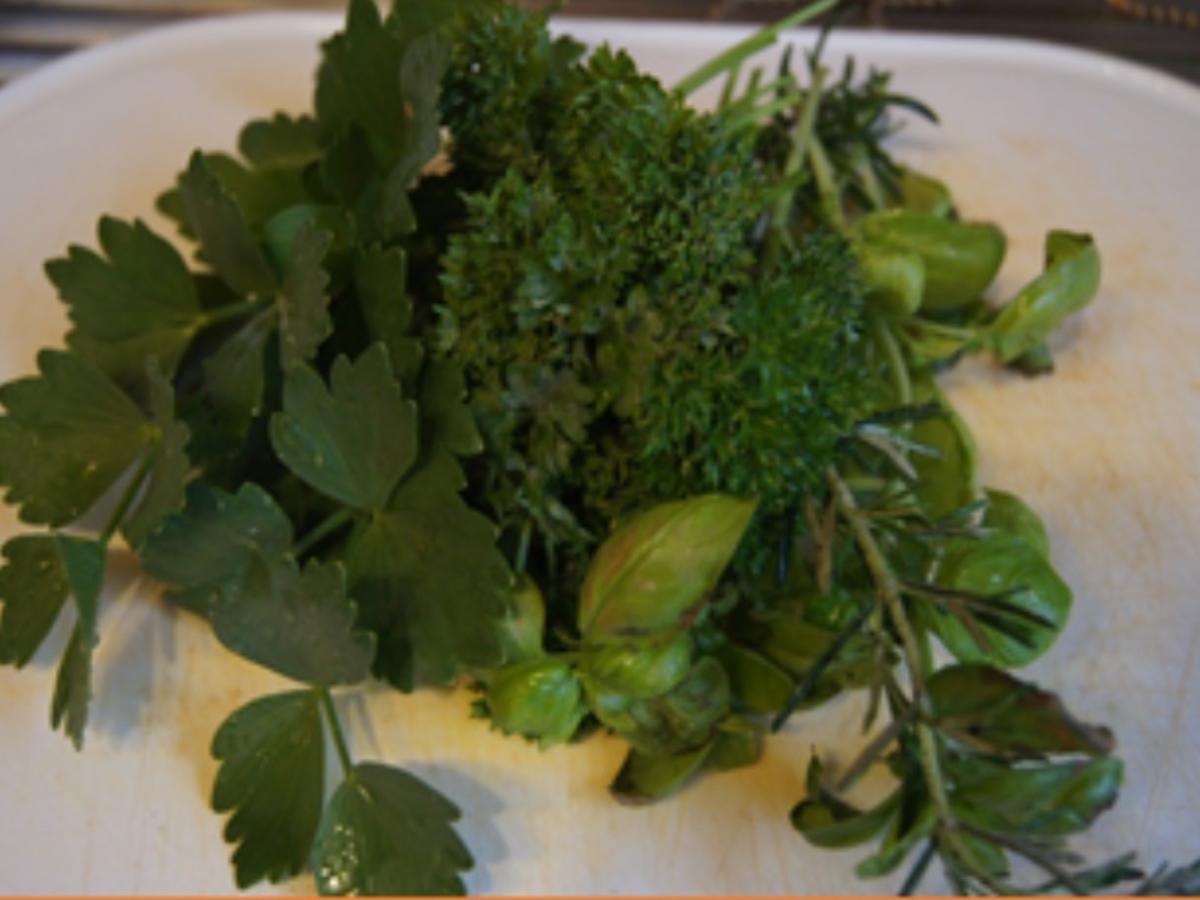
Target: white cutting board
[[1033, 137]]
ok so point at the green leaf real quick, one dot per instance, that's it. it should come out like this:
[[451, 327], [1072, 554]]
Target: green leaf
[[169, 463], [898, 844], [659, 566], [826, 821], [541, 700], [1010, 514], [989, 709], [684, 718], [738, 743], [522, 631], [929, 346], [1069, 283], [922, 193], [73, 686], [259, 193], [138, 300], [282, 229], [796, 646], [377, 106], [644, 778], [67, 436], [214, 541], [1046, 800], [1018, 603], [234, 376], [280, 142], [961, 258], [1037, 360], [639, 670], [81, 561], [757, 683], [297, 623], [946, 481], [272, 755], [34, 588], [354, 440], [380, 283], [428, 574], [385, 832], [386, 82], [894, 278], [446, 419], [304, 321], [983, 853], [220, 226]]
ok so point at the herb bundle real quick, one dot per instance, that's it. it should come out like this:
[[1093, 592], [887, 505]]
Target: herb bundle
[[507, 364]]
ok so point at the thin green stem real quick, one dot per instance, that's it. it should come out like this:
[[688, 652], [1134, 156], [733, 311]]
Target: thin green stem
[[332, 523], [955, 332], [752, 85], [812, 677], [745, 118], [1036, 856], [232, 311], [871, 753], [335, 727], [523, 548], [869, 183], [731, 81], [888, 589], [783, 86], [740, 52], [127, 497], [827, 189], [913, 881], [931, 765], [802, 133], [887, 586], [895, 360]]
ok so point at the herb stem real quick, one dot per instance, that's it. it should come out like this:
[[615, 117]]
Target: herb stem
[[523, 548], [887, 586], [942, 329], [332, 523], [741, 51], [803, 131], [231, 311], [888, 589], [127, 497], [811, 678], [871, 753], [895, 361], [731, 81], [1036, 856], [913, 880], [827, 189], [335, 726], [801, 135], [931, 765]]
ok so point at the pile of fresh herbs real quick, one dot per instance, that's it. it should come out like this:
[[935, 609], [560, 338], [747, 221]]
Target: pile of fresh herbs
[[507, 364]]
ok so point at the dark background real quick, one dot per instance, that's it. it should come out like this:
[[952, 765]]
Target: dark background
[[1161, 33]]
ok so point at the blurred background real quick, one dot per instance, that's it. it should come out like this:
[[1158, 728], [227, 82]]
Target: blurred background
[[1164, 34]]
